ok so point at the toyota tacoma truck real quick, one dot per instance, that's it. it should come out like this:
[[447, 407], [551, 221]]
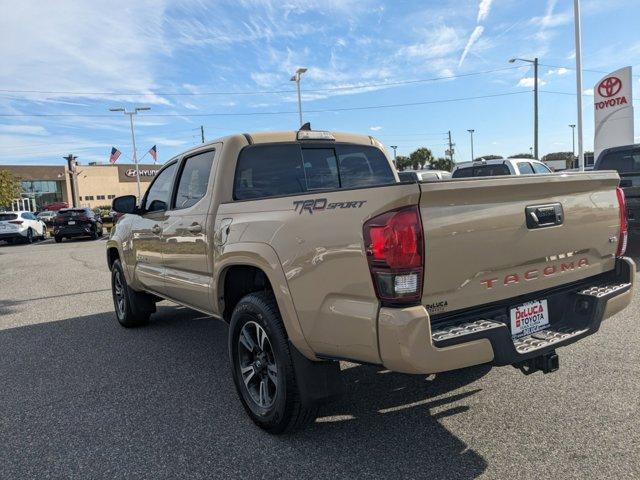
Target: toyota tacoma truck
[[311, 249]]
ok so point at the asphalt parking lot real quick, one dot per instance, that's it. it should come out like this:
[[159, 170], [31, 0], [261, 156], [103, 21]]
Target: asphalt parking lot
[[82, 397]]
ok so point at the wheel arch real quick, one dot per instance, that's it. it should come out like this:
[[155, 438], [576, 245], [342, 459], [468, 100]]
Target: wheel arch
[[256, 260]]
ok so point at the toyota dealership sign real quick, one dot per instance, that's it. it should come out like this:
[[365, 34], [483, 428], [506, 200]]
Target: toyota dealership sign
[[613, 107]]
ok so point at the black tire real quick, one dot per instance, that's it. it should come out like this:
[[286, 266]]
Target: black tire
[[58, 238], [29, 238], [285, 411], [132, 308], [94, 233]]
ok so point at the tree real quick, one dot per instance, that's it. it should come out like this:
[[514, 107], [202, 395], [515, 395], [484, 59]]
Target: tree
[[521, 155], [10, 188], [558, 156], [402, 162], [443, 164], [490, 157], [420, 158]]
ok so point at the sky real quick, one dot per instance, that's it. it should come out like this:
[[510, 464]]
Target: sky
[[406, 72]]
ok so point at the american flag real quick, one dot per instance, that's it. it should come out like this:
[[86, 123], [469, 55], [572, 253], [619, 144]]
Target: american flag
[[153, 151], [115, 155]]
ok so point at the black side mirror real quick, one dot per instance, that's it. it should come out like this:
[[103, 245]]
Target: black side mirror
[[124, 204]]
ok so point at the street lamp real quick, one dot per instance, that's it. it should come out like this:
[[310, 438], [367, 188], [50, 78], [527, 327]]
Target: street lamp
[[395, 147], [133, 139], [573, 143], [471, 132], [535, 100], [296, 78]]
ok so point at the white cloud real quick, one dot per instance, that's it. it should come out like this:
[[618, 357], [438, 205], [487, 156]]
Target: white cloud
[[588, 92], [377, 128], [473, 38], [483, 10], [83, 46], [24, 129], [560, 71], [438, 42], [529, 81]]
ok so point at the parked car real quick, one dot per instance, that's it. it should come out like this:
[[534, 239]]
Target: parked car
[[307, 245], [626, 161], [21, 226], [76, 222], [423, 175], [56, 206], [47, 216], [491, 168]]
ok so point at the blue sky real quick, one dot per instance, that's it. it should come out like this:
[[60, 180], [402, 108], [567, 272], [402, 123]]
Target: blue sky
[[359, 53]]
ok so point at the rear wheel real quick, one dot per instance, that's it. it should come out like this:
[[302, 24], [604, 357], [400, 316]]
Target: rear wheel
[[132, 308], [262, 365], [29, 238]]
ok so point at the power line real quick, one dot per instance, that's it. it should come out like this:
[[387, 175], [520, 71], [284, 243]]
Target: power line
[[265, 92], [573, 68], [244, 114]]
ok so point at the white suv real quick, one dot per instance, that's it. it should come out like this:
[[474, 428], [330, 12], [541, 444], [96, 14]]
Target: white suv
[[505, 166], [21, 225]]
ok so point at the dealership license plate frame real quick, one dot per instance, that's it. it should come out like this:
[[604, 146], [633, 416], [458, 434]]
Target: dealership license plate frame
[[518, 330], [71, 222]]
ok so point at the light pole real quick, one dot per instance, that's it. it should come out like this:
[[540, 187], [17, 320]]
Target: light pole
[[395, 147], [578, 34], [133, 139], [73, 174], [296, 78], [535, 100], [573, 143], [471, 132]]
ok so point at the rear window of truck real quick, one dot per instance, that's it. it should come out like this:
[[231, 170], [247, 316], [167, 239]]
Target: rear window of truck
[[481, 171], [265, 171], [623, 161]]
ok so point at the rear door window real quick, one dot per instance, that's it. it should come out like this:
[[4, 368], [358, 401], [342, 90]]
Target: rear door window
[[622, 161], [540, 168], [525, 168]]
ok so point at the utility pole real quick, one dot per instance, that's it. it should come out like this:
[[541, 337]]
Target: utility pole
[[133, 140], [296, 78], [202, 132], [451, 145], [576, 18], [471, 132], [73, 175], [535, 100]]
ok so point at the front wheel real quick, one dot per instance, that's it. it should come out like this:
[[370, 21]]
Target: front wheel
[[58, 238], [262, 366]]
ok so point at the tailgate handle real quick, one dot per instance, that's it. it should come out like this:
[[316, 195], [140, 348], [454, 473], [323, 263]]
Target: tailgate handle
[[541, 216]]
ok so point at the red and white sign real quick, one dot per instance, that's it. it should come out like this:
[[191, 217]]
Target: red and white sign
[[613, 107], [529, 318]]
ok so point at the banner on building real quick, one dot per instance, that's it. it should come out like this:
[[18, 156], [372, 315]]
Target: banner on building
[[613, 109]]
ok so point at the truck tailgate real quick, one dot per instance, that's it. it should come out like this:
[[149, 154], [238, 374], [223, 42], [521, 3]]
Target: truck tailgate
[[480, 248]]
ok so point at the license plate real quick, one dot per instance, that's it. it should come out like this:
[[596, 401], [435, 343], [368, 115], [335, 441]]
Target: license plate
[[72, 222], [529, 318]]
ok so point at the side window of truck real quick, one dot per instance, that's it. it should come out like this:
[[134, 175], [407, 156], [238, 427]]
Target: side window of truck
[[159, 193], [525, 168], [194, 179]]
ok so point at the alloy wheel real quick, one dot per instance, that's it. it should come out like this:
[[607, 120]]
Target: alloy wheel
[[118, 293], [257, 365]]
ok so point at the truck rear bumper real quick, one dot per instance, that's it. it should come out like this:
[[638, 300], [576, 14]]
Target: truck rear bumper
[[410, 344]]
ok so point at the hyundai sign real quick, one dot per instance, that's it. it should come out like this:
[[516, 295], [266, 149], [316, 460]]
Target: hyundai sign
[[613, 109]]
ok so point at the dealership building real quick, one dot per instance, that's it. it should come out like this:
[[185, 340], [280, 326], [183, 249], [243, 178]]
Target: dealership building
[[97, 184]]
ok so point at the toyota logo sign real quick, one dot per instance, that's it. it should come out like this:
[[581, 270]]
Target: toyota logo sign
[[609, 87]]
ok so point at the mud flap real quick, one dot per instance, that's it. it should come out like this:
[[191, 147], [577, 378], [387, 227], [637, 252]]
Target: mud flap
[[319, 382]]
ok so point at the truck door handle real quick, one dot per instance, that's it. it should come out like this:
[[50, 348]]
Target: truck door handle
[[156, 229], [195, 228]]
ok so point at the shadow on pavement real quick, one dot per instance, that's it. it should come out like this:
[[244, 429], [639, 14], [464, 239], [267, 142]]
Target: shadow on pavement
[[84, 398]]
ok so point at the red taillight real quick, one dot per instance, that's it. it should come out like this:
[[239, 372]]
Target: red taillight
[[17, 222], [395, 252], [623, 234]]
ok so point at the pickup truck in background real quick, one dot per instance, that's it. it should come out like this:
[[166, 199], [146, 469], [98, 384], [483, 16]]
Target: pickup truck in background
[[626, 161], [311, 249]]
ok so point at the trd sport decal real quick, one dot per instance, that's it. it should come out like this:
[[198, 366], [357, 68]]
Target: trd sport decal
[[322, 204]]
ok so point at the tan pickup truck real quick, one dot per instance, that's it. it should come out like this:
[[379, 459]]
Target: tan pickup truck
[[311, 249]]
